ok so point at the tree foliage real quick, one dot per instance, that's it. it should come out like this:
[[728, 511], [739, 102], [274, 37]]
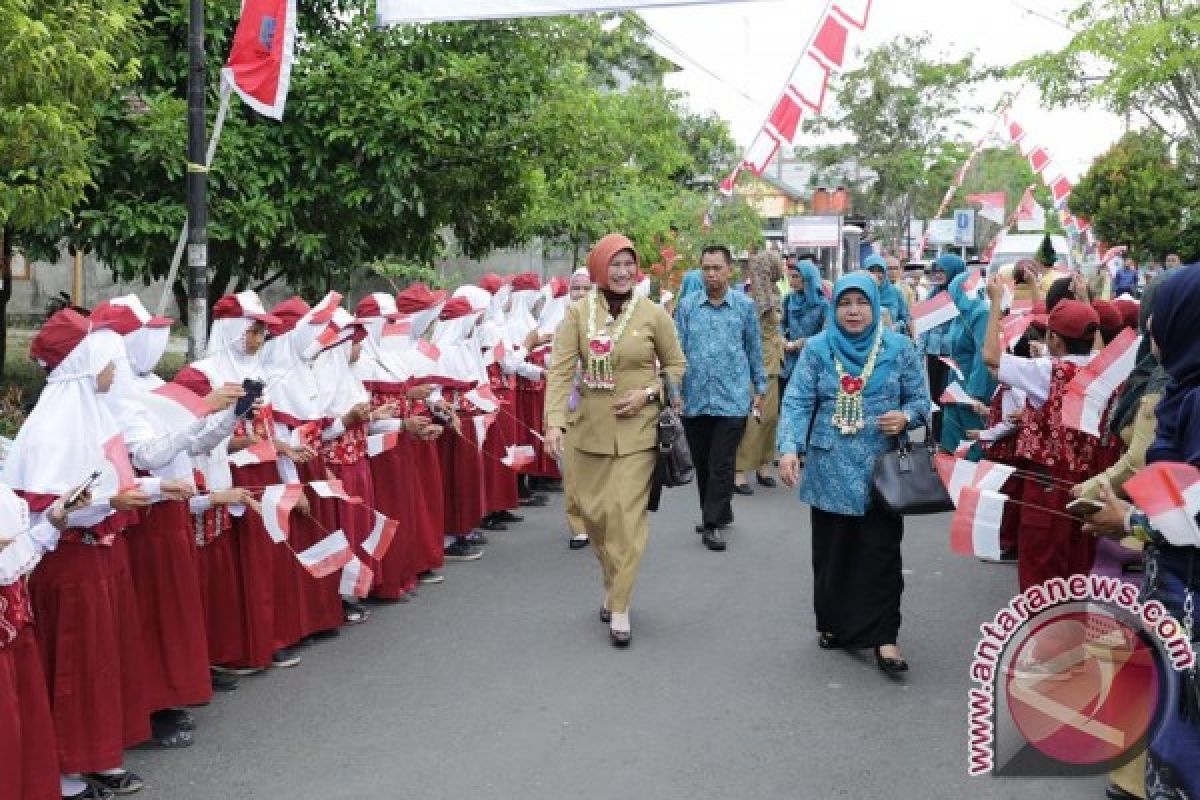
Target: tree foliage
[[1136, 195]]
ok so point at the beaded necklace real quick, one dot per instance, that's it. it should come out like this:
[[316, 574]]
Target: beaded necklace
[[597, 370], [848, 409]]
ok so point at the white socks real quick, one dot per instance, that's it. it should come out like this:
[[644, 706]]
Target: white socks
[[620, 621]]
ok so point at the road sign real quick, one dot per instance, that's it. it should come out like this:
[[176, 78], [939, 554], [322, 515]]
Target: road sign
[[964, 227], [816, 231]]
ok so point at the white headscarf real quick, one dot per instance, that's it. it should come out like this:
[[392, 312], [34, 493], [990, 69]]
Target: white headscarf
[[340, 388], [63, 438], [521, 320], [294, 387], [460, 354], [227, 360], [553, 312]]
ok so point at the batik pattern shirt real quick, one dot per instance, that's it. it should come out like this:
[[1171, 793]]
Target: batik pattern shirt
[[723, 347]]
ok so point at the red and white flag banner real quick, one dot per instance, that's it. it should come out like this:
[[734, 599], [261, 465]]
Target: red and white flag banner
[[964, 447], [1169, 494], [958, 473], [381, 537], [1013, 327], [379, 443], [483, 398], [400, 12], [975, 529], [117, 456], [356, 578], [262, 452], [1089, 392], [518, 456], [928, 314], [326, 556], [259, 68], [991, 205], [277, 504], [333, 490], [184, 398]]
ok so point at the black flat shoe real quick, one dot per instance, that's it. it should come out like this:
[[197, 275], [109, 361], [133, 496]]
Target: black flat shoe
[[577, 544], [222, 682], [125, 782], [605, 616], [702, 528], [493, 524], [175, 717], [90, 792], [535, 501], [620, 638], [743, 489], [891, 666], [713, 540], [828, 641], [766, 481], [1114, 792], [507, 516]]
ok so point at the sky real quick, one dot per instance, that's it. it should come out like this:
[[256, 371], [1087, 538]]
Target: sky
[[752, 48]]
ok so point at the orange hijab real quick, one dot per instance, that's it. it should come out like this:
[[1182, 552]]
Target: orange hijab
[[602, 254]]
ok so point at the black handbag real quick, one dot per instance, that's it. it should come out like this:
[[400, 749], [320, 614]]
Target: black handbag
[[675, 467], [906, 481]]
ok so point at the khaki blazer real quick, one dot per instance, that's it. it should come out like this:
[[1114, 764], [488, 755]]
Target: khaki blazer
[[648, 342]]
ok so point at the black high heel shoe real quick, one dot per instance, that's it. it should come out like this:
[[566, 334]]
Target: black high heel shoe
[[620, 638], [891, 666], [828, 641]]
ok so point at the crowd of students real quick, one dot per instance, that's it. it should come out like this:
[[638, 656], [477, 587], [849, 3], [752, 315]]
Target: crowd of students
[[158, 540]]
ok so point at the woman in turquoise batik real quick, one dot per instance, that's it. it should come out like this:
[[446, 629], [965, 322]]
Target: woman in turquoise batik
[[967, 334]]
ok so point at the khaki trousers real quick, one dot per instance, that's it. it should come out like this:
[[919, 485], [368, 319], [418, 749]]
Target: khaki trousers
[[570, 491], [757, 448], [612, 493]]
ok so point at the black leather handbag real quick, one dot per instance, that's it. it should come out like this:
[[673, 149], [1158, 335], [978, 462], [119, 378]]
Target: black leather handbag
[[905, 480], [675, 467]]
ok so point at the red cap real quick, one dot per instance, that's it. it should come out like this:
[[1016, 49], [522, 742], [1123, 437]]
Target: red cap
[[526, 281], [61, 334], [1109, 316], [1073, 319], [491, 282], [124, 315], [288, 313], [559, 287], [1130, 313], [243, 305], [377, 305], [418, 298], [457, 307]]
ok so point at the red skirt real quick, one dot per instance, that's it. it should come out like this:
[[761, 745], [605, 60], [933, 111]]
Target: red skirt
[[324, 604], [91, 646], [28, 754], [392, 475], [531, 405], [1050, 545], [427, 511], [256, 554], [357, 518], [221, 593], [500, 482], [462, 484], [166, 582]]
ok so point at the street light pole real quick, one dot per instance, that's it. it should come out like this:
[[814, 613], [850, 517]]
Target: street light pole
[[197, 185]]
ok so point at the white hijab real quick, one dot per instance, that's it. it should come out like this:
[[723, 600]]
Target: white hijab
[[294, 387], [521, 320], [460, 355], [340, 388]]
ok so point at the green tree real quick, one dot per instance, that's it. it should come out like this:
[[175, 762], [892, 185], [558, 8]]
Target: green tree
[[1136, 195], [55, 58], [1128, 56], [901, 116]]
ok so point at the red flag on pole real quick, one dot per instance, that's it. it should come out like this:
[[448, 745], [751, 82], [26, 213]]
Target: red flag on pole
[[259, 68]]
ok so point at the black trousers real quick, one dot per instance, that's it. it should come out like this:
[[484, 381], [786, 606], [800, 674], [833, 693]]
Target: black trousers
[[714, 443], [939, 379], [857, 576]]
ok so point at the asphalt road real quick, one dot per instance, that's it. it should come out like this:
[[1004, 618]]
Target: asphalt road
[[501, 683]]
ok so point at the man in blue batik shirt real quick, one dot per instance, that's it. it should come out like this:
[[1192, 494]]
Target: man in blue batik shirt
[[724, 383]]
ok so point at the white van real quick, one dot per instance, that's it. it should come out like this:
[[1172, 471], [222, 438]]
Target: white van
[[1015, 246]]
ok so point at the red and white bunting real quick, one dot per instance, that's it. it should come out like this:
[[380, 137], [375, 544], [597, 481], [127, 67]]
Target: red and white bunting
[[1169, 493], [333, 490], [356, 579], [1039, 159], [955, 394], [975, 529], [957, 474], [519, 456], [326, 556], [262, 452], [381, 537], [936, 311], [277, 504], [380, 443], [117, 456], [1089, 392]]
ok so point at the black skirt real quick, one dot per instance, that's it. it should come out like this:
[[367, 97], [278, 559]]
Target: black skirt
[[857, 576]]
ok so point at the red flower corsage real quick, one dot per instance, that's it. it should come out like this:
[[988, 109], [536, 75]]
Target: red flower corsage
[[600, 347], [851, 384]]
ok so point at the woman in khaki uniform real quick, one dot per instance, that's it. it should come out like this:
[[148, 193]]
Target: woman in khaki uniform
[[621, 340], [757, 449]]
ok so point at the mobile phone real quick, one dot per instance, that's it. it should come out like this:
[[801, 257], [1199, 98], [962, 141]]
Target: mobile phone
[[78, 493], [245, 403], [1084, 506]]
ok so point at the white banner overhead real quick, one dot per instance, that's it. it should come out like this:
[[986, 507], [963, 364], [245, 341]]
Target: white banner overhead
[[398, 12]]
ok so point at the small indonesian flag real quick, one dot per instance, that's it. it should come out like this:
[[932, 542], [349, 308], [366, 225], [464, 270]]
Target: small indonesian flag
[[1169, 493], [973, 284], [262, 452], [401, 327], [259, 68], [324, 310], [933, 312], [333, 490], [952, 364], [381, 442], [356, 579], [955, 393], [1089, 392], [1013, 327], [185, 398], [484, 399], [326, 556], [963, 448], [483, 424], [975, 529], [428, 349], [117, 455], [518, 456], [957, 474], [277, 504], [381, 537]]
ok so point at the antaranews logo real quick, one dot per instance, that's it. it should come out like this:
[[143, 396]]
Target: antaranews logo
[[1071, 678]]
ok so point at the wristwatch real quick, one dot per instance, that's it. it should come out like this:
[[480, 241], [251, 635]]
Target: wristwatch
[[651, 393]]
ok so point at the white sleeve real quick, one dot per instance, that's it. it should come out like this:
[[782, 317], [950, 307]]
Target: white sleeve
[[200, 503], [20, 557], [386, 426], [92, 515], [1029, 375], [531, 372], [997, 432], [217, 428], [333, 431]]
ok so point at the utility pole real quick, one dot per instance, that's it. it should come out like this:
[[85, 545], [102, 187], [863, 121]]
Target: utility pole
[[197, 185]]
